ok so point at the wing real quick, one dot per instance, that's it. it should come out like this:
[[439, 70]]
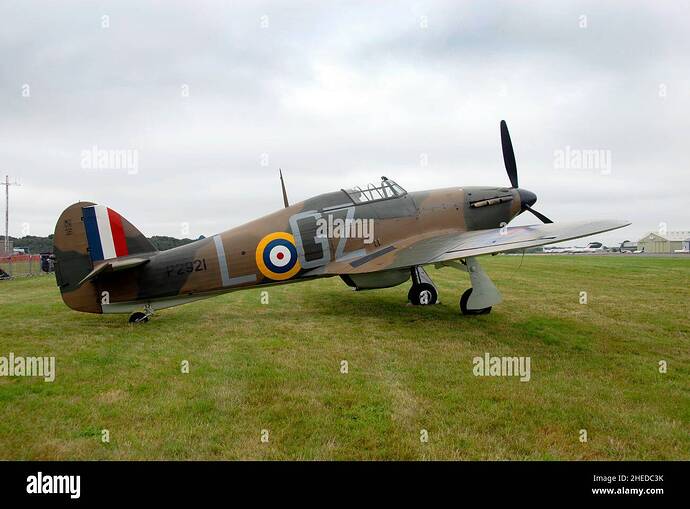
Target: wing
[[447, 245]]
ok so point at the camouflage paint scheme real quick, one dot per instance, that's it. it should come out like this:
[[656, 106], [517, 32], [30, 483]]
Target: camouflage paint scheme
[[407, 230]]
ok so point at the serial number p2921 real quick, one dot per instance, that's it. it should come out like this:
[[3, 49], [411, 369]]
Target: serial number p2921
[[179, 269]]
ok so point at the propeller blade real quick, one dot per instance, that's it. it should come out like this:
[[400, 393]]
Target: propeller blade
[[539, 215], [508, 155]]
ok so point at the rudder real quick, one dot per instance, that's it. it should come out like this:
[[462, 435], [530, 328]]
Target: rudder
[[86, 234]]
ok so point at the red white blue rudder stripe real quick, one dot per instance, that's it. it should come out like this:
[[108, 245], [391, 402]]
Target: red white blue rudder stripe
[[104, 232]]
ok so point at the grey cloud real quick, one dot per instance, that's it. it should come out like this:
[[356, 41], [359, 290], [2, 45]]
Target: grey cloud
[[336, 93]]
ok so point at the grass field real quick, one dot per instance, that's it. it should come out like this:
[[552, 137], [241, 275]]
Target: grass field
[[276, 367]]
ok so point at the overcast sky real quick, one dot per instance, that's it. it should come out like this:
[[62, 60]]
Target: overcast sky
[[213, 98]]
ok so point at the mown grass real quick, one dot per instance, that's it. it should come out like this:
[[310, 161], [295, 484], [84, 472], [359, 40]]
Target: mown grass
[[277, 367]]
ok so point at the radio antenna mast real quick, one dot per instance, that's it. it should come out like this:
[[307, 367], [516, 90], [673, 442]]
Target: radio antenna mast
[[7, 185]]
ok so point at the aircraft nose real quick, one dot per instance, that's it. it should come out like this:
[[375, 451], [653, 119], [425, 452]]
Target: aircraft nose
[[527, 197]]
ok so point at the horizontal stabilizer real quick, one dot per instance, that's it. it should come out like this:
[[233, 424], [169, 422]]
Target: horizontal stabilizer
[[112, 266]]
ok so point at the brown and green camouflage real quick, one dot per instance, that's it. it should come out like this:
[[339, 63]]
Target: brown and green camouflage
[[407, 230], [228, 261]]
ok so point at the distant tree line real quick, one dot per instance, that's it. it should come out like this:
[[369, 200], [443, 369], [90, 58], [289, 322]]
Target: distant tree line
[[162, 242], [34, 245]]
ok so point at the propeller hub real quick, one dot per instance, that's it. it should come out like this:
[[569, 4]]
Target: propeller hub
[[527, 197]]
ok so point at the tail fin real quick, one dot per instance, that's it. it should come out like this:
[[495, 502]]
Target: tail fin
[[85, 235]]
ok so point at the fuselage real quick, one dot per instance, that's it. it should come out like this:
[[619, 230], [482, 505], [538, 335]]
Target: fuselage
[[261, 252]]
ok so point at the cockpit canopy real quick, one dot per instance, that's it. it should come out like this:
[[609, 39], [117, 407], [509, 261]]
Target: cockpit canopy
[[386, 190]]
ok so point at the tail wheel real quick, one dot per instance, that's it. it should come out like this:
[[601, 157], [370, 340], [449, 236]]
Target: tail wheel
[[463, 305], [138, 317], [422, 294]]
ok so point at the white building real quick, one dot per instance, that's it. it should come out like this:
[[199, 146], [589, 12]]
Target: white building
[[669, 242]]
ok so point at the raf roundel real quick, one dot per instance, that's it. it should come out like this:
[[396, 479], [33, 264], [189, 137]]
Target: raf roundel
[[276, 256]]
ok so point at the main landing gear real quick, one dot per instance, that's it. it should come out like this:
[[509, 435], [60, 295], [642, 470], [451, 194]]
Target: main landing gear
[[477, 300], [466, 311], [141, 317], [423, 291], [483, 295]]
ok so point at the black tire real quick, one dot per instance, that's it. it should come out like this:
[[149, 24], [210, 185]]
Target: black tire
[[463, 305], [138, 317], [422, 294]]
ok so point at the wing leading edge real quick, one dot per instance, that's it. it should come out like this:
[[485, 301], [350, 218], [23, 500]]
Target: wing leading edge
[[451, 245]]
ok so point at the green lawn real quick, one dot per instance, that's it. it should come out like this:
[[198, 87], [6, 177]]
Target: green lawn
[[277, 367]]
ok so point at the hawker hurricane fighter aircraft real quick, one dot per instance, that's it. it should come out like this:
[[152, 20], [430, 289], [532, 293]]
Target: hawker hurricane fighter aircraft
[[373, 237]]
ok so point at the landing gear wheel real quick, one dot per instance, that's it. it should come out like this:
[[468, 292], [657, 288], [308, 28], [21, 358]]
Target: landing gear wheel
[[422, 294], [463, 305], [138, 317]]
